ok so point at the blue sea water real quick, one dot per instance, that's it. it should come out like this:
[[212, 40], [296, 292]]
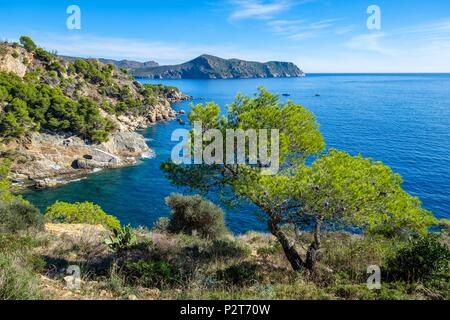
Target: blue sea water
[[402, 120]]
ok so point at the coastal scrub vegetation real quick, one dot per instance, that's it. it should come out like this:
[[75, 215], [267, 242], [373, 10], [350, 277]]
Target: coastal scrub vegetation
[[63, 95], [87, 212], [195, 214], [330, 215]]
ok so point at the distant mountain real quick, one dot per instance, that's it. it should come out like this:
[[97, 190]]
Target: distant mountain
[[122, 64], [129, 64], [210, 67]]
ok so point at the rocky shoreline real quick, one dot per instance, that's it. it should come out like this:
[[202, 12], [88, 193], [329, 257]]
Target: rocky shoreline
[[48, 145], [44, 160]]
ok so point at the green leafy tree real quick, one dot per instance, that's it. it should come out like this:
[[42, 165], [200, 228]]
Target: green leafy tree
[[335, 189], [15, 121], [86, 212], [28, 44]]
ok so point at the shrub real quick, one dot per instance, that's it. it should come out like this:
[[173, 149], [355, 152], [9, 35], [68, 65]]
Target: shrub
[[19, 215], [18, 267], [193, 214], [28, 44], [241, 274], [122, 238], [228, 249], [149, 274], [17, 280], [421, 259], [87, 212], [349, 255], [31, 106], [162, 225]]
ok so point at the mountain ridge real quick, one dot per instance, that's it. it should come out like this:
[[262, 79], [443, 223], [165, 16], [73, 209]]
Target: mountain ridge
[[121, 64], [212, 67]]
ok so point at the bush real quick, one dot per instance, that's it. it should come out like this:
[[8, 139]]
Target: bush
[[28, 44], [161, 225], [421, 259], [18, 267], [242, 274], [122, 238], [228, 249], [19, 215], [149, 274], [32, 106], [17, 281], [87, 212], [193, 214]]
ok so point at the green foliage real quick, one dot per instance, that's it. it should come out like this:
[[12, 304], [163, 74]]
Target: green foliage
[[122, 238], [5, 185], [57, 67], [361, 192], [31, 106], [444, 223], [93, 71], [28, 44], [241, 274], [194, 214], [17, 281], [335, 190], [159, 90], [161, 225], [86, 212], [18, 267], [422, 259], [44, 55], [225, 249], [150, 274], [18, 215]]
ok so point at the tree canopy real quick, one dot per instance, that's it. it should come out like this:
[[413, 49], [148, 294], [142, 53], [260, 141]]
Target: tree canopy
[[312, 189]]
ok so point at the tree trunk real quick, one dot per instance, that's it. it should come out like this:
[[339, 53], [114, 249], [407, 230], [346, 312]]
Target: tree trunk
[[314, 248], [291, 253]]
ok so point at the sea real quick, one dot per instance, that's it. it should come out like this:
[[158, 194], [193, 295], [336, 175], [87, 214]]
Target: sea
[[402, 120]]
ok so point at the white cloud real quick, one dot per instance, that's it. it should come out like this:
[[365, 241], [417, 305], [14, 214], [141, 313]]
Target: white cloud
[[368, 42], [257, 9], [303, 29]]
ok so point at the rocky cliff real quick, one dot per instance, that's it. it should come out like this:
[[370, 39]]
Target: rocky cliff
[[56, 144], [210, 67]]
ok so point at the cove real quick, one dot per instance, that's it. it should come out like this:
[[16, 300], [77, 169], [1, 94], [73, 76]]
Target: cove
[[402, 120]]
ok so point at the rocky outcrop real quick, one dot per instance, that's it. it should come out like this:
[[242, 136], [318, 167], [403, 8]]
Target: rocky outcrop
[[45, 160], [13, 63], [210, 67]]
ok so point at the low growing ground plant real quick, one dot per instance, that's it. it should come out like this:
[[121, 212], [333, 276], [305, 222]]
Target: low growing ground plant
[[150, 274], [421, 260], [195, 215], [19, 268], [87, 212], [19, 215], [122, 238]]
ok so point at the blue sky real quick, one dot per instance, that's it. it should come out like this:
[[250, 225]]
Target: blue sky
[[318, 35]]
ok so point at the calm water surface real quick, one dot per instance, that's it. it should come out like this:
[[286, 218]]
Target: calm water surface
[[402, 120]]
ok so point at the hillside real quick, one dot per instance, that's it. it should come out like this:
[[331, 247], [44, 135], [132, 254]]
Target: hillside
[[122, 64], [61, 118], [129, 64], [210, 67]]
